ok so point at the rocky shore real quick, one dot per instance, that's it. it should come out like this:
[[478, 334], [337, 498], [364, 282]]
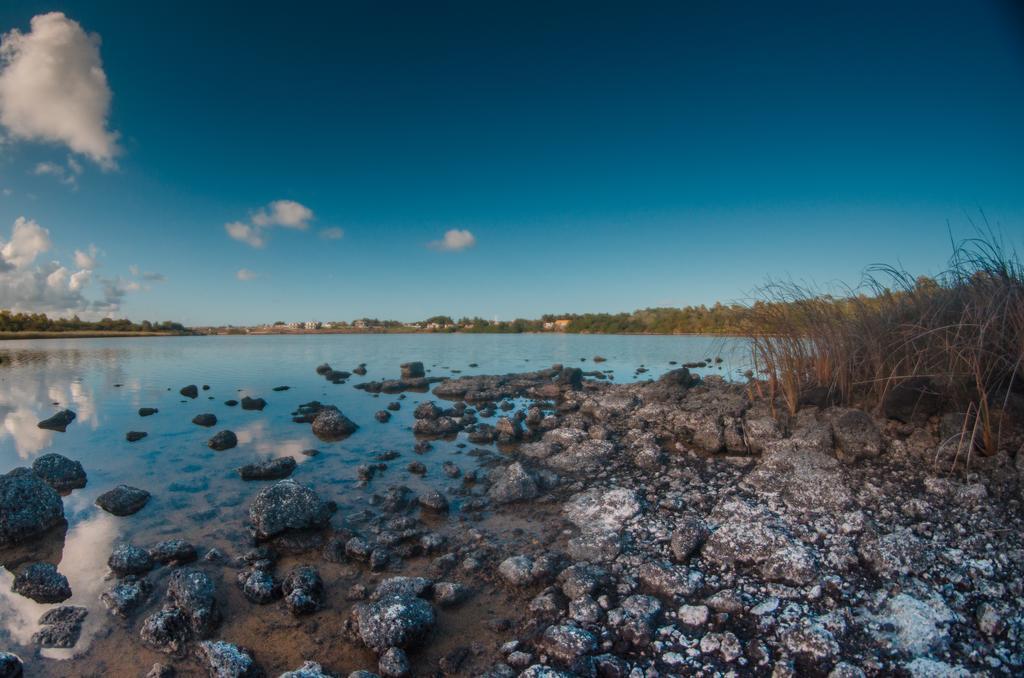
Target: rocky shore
[[671, 527]]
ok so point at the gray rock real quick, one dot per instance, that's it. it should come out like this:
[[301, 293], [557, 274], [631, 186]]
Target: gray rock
[[433, 500], [166, 630], [517, 570], [587, 455], [28, 506], [194, 594], [567, 643], [59, 472], [396, 621], [129, 559], [253, 403], [635, 621], [513, 483], [303, 590], [897, 553], [271, 469], [330, 424], [394, 664], [689, 535], [855, 434], [42, 583], [919, 625], [225, 660], [123, 500], [286, 505], [417, 587], [190, 391], [174, 551], [126, 596], [450, 594], [599, 508], [308, 669]]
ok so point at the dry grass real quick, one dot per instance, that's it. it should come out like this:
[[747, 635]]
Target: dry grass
[[963, 329]]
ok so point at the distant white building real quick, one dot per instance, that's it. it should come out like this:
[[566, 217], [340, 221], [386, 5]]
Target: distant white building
[[311, 325]]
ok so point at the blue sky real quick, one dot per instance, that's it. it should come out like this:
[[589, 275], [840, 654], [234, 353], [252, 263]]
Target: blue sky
[[604, 156]]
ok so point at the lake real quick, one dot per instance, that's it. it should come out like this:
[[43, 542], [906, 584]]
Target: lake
[[197, 495]]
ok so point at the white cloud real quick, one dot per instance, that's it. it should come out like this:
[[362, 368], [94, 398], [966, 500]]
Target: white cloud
[[50, 287], [251, 235], [53, 88], [28, 240], [283, 213], [454, 240], [86, 259], [287, 213], [66, 175], [333, 233], [245, 275]]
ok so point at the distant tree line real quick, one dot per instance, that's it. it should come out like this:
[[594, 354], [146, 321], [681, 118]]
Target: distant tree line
[[40, 322]]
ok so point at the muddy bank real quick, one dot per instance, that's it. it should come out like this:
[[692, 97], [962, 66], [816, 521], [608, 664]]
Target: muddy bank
[[671, 527]]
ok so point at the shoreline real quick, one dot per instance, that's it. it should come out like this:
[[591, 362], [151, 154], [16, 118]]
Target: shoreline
[[83, 334]]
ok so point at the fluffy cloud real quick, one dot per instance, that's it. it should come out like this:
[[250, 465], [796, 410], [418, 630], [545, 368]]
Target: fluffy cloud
[[53, 88], [28, 241], [287, 213], [333, 233], [282, 213], [454, 240], [86, 259], [245, 275], [251, 235], [50, 287]]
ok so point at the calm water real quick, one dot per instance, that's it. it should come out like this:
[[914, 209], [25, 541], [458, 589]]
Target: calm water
[[196, 493]]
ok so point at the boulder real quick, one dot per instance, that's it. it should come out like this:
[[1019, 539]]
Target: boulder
[[135, 436], [147, 411], [61, 626], [123, 500], [394, 664], [401, 621], [60, 473], [287, 506], [28, 506], [58, 422], [601, 508], [10, 665], [567, 643], [330, 424], [190, 391]]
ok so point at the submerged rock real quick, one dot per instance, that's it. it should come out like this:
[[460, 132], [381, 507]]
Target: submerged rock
[[58, 422], [253, 403], [42, 583], [287, 506], [28, 506], [272, 469], [193, 593], [190, 391], [62, 627], [412, 370], [135, 436], [309, 669], [175, 551], [10, 665], [223, 440], [60, 473], [123, 500], [147, 411], [206, 419]]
